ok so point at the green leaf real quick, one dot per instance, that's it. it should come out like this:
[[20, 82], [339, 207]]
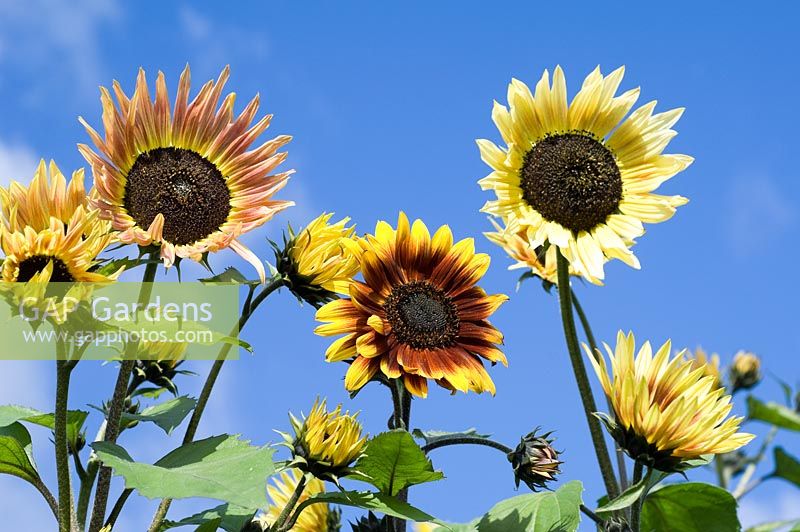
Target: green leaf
[[15, 453], [432, 436], [775, 525], [787, 466], [209, 526], [632, 494], [229, 275], [167, 415], [377, 502], [393, 460], [221, 467], [773, 413], [75, 419], [552, 511], [227, 517], [690, 507]]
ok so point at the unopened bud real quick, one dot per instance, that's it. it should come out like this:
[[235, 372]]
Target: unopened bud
[[745, 371], [535, 461]]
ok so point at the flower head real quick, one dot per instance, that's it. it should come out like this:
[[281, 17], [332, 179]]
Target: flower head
[[535, 461], [418, 315], [709, 365], [745, 371], [317, 263], [536, 261], [314, 518], [325, 443], [577, 175], [665, 412], [185, 179], [159, 363]]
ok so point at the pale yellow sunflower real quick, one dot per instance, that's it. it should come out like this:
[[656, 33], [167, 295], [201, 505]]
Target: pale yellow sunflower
[[666, 411], [48, 232], [185, 178], [580, 175], [418, 315], [540, 261]]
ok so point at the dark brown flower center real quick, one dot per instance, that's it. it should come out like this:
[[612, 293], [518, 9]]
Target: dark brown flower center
[[422, 316], [572, 179], [35, 264], [182, 185]]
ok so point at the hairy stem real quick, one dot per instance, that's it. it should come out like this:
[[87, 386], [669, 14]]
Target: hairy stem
[[60, 438], [636, 508], [117, 403], [587, 330], [280, 523], [194, 422], [582, 380], [468, 440]]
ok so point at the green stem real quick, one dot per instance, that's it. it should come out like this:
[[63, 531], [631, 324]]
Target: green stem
[[742, 487], [273, 284], [582, 380], [51, 501], [280, 523], [117, 509], [593, 516], [403, 402], [636, 508], [85, 493], [587, 330], [468, 440], [60, 437], [117, 403]]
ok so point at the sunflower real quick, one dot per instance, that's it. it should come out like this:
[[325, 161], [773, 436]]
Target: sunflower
[[709, 365], [539, 261], [185, 180], [315, 262], [665, 411], [745, 370], [577, 175], [418, 314], [48, 233], [314, 518], [325, 443]]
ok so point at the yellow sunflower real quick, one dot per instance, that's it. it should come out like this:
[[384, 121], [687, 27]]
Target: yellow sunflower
[[666, 412], [577, 175], [314, 518], [184, 178], [539, 261], [709, 364], [418, 314], [315, 262], [48, 233]]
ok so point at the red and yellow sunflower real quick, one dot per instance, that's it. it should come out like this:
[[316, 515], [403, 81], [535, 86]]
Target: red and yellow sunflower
[[418, 314]]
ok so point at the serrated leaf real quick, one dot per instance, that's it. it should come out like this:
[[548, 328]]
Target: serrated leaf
[[228, 517], [633, 493], [229, 275], [167, 415], [787, 466], [552, 511], [433, 436], [393, 460], [16, 456], [773, 413], [221, 467], [377, 502], [690, 507], [75, 419]]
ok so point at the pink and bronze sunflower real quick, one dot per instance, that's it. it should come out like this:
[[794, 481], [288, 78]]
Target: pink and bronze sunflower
[[186, 178], [418, 314]]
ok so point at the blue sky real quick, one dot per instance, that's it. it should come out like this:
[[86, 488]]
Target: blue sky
[[384, 104]]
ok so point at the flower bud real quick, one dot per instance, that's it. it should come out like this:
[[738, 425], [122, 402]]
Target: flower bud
[[371, 523], [745, 372], [535, 462], [616, 524]]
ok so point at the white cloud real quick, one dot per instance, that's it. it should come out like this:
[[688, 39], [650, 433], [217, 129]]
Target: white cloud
[[758, 210], [56, 39], [17, 162]]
